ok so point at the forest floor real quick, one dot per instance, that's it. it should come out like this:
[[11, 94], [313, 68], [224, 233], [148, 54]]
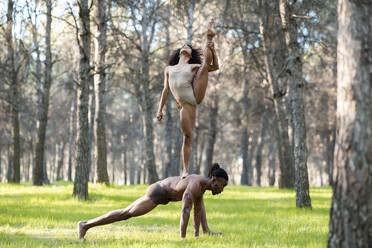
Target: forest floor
[[247, 216]]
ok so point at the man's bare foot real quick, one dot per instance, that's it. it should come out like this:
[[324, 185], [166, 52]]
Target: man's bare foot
[[184, 174], [210, 32], [81, 229]]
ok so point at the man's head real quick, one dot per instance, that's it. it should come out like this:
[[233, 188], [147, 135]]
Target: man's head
[[219, 179]]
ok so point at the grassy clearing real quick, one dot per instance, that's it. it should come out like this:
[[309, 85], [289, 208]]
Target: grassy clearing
[[248, 217]]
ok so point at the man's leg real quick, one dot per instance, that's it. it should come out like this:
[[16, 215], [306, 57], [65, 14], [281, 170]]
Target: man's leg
[[139, 207]]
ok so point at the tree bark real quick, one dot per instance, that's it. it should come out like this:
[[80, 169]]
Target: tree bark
[[132, 165], [38, 172], [72, 134], [244, 179], [286, 179], [9, 171], [124, 155], [272, 167], [14, 96], [82, 170], [296, 93], [351, 210], [212, 133], [61, 160], [100, 92], [168, 107], [260, 147]]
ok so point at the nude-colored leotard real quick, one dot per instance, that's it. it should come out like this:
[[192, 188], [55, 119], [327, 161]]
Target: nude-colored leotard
[[180, 84]]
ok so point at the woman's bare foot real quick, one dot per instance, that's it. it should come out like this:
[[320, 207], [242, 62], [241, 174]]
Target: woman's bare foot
[[81, 229], [210, 32], [184, 174]]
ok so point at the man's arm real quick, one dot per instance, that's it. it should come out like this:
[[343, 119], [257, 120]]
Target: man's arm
[[186, 209], [197, 215], [204, 223]]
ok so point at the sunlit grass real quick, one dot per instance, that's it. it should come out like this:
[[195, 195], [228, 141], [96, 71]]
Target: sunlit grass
[[248, 217]]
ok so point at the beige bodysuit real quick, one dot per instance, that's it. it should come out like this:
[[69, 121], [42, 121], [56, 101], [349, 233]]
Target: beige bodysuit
[[180, 84]]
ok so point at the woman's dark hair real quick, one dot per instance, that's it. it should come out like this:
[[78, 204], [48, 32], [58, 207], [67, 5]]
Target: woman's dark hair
[[217, 171], [175, 56]]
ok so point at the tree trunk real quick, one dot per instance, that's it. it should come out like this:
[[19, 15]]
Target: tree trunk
[[272, 167], [100, 90], [45, 174], [43, 111], [286, 179], [72, 134], [177, 146], [168, 109], [132, 165], [125, 163], [190, 20], [61, 160], [244, 180], [260, 147], [14, 96], [296, 93], [350, 217], [212, 133], [152, 175], [9, 171], [92, 113], [81, 171]]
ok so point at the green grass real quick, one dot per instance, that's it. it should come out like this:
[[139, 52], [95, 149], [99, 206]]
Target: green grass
[[248, 217]]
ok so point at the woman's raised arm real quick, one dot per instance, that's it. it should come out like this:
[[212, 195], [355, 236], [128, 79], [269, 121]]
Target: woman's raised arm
[[214, 66], [164, 95]]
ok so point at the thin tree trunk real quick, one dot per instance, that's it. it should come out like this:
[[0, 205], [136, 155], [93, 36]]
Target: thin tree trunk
[[296, 92], [351, 209], [125, 163], [92, 113], [252, 145], [9, 171], [260, 148], [168, 109], [61, 161], [177, 146], [100, 90], [72, 134], [14, 96], [132, 165], [244, 180], [212, 133], [190, 20], [43, 111], [272, 167], [81, 171], [286, 179], [201, 152], [331, 140]]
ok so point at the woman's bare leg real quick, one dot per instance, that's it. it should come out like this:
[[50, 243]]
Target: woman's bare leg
[[201, 79], [139, 207], [187, 121]]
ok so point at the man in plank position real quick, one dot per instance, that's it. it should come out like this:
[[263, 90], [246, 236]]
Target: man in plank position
[[190, 190]]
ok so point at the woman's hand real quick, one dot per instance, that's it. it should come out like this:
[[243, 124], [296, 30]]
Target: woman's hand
[[159, 115]]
